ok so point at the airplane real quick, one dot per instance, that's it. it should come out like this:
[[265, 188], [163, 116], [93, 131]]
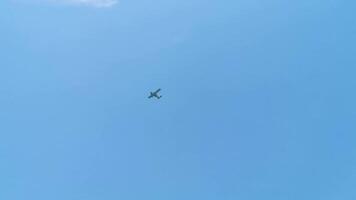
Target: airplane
[[155, 94]]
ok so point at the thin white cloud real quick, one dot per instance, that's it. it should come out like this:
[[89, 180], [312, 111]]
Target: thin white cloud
[[93, 3]]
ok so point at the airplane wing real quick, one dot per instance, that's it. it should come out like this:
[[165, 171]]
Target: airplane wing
[[157, 90]]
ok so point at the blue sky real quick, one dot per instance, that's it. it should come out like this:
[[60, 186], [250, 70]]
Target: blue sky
[[258, 100]]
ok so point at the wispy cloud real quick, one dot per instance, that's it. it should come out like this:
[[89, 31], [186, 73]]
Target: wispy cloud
[[94, 3]]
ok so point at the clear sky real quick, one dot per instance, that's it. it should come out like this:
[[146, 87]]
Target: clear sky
[[258, 100]]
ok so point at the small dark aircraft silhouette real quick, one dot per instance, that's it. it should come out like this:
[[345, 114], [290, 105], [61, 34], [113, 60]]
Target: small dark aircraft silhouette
[[155, 94]]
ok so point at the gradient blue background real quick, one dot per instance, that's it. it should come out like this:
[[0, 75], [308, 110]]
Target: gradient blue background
[[258, 100]]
